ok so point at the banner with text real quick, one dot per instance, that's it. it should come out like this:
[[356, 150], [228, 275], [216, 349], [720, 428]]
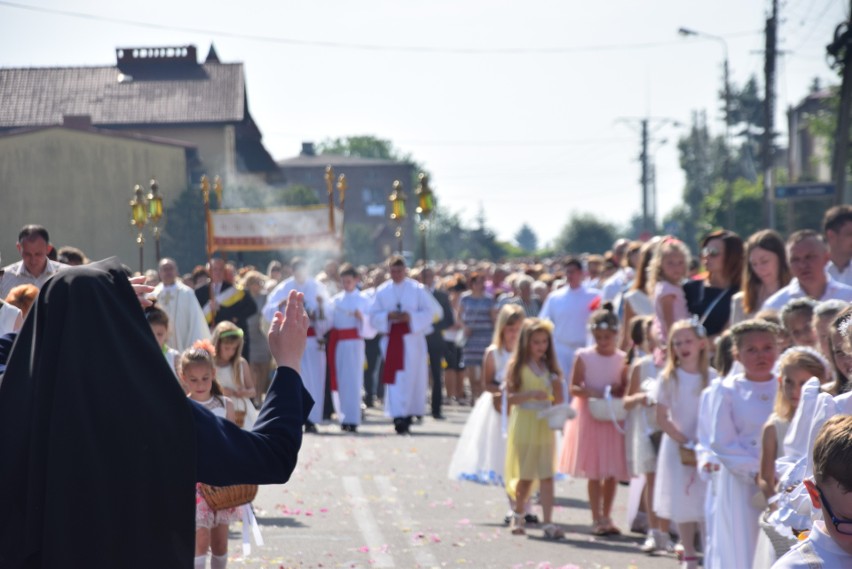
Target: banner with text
[[272, 229]]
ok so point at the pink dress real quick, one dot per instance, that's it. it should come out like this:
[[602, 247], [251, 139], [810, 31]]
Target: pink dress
[[595, 449], [679, 309]]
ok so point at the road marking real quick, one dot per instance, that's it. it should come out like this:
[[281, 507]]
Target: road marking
[[389, 493], [367, 523]]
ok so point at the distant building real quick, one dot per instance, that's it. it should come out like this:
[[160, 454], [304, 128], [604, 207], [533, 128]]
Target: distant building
[[76, 181], [809, 158], [151, 98], [370, 182]]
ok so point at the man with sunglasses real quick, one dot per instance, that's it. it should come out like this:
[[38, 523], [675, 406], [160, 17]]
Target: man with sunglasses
[[829, 543]]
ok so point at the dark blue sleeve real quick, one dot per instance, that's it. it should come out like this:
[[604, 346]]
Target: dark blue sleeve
[[226, 454]]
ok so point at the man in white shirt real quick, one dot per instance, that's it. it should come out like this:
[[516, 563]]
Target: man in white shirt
[[187, 324], [569, 309], [808, 256], [837, 228], [34, 267]]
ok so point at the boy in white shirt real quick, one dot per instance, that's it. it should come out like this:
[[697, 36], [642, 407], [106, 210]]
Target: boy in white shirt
[[830, 541]]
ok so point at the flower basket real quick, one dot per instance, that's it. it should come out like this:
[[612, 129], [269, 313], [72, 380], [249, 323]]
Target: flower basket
[[225, 497]]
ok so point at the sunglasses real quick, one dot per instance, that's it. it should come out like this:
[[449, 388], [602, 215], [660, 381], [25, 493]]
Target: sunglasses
[[710, 252], [842, 526]]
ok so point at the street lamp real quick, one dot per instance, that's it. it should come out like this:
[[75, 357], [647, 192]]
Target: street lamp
[[729, 186], [397, 213], [425, 206], [155, 213], [138, 218]]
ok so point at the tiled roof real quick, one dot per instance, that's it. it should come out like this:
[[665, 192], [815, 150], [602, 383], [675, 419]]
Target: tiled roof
[[335, 160], [103, 132], [206, 93]]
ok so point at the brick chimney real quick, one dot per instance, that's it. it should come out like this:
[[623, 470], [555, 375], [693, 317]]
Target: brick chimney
[[79, 122], [308, 149]]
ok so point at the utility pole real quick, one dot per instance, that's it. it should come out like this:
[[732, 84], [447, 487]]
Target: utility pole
[[841, 50], [643, 157], [648, 126], [769, 118], [729, 183]]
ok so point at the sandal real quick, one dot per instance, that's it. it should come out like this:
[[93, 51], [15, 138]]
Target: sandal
[[599, 528], [552, 532], [518, 524], [609, 527]]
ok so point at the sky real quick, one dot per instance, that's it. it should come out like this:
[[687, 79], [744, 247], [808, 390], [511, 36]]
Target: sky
[[527, 109]]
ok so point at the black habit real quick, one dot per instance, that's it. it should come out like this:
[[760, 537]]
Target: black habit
[[100, 449]]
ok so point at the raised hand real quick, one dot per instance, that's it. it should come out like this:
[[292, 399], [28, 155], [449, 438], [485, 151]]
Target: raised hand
[[288, 332], [142, 290]]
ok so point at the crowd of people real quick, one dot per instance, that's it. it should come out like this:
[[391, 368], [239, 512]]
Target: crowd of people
[[709, 383]]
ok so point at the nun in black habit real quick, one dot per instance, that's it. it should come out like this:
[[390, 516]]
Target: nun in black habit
[[100, 449]]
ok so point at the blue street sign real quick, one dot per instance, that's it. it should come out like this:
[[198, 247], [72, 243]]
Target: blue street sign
[[804, 191]]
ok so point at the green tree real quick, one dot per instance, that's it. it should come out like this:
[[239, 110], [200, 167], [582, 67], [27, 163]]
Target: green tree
[[585, 233], [526, 238], [184, 237], [370, 146]]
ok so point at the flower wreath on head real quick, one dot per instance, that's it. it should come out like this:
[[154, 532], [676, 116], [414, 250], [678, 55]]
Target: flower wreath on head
[[603, 325], [810, 351], [546, 325], [204, 345], [844, 327]]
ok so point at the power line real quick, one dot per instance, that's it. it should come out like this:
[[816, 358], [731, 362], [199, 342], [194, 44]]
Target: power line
[[357, 46]]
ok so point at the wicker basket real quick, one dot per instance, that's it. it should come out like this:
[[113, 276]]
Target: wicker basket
[[225, 497], [687, 456], [781, 542]]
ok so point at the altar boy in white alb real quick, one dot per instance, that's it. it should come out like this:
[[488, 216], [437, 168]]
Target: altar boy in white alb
[[316, 305], [349, 328], [403, 310]]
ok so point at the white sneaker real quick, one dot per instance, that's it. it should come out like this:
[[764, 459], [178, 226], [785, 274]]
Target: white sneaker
[[650, 545]]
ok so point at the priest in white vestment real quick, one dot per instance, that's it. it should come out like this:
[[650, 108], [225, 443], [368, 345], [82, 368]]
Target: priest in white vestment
[[314, 358], [186, 317], [346, 355], [404, 310]]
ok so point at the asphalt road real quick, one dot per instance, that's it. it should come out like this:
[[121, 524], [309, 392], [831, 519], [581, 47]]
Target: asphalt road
[[378, 500]]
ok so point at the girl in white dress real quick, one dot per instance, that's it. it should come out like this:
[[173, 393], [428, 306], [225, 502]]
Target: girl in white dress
[[233, 372], [679, 490], [642, 434], [198, 375], [739, 410], [480, 454]]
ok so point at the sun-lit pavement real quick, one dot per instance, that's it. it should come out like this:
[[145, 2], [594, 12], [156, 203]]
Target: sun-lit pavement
[[379, 500]]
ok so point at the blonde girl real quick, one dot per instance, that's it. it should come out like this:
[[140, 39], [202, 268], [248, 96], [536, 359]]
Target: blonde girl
[[198, 375], [594, 449], [679, 491], [796, 366], [233, 372], [533, 382], [668, 270]]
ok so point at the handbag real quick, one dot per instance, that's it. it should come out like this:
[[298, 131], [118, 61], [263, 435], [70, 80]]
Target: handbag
[[607, 409], [226, 497], [557, 415]]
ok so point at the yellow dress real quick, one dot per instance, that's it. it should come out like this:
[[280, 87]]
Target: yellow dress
[[530, 444]]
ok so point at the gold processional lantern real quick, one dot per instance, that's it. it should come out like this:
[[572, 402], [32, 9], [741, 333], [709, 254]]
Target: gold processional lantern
[[155, 213], [138, 219], [425, 206], [397, 212]]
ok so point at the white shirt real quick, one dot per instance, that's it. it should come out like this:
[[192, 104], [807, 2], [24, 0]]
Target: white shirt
[[17, 274], [569, 310], [313, 291], [8, 318], [615, 284], [843, 275], [833, 290], [818, 550]]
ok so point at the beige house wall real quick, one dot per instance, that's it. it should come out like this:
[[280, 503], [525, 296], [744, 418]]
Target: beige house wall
[[216, 145], [78, 185]]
